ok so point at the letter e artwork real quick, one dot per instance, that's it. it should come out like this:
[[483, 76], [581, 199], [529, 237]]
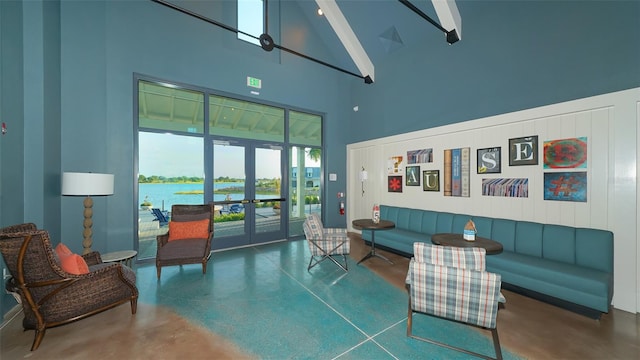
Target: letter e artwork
[[523, 151]]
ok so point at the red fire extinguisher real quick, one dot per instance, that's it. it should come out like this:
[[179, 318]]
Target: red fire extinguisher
[[341, 207]]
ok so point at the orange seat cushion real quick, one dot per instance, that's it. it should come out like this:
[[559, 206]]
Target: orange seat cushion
[[179, 230]]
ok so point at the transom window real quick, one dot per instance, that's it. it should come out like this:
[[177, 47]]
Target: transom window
[[250, 20]]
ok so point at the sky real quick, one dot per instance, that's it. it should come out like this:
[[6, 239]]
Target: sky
[[171, 156]]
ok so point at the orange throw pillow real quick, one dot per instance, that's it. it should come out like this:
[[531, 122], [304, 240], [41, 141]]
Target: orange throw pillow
[[74, 264], [179, 230], [62, 250]]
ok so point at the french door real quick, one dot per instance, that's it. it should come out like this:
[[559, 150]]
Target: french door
[[247, 193]]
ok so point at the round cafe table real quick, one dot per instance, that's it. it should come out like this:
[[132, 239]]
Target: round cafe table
[[449, 239], [368, 224]]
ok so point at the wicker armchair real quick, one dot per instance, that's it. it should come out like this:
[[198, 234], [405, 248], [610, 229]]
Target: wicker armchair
[[50, 296], [19, 228], [186, 250]]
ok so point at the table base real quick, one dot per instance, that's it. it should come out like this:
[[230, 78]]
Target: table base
[[373, 253]]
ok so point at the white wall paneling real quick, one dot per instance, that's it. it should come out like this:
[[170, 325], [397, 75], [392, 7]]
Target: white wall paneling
[[609, 122]]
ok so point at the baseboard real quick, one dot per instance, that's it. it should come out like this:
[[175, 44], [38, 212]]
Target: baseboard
[[578, 309], [11, 315]]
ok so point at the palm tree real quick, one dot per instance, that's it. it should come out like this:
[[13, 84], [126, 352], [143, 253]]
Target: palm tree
[[314, 154]]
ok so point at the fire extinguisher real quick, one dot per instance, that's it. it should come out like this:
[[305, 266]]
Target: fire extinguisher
[[341, 207]]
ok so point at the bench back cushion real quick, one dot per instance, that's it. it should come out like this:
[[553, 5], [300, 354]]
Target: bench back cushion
[[484, 226], [504, 231], [594, 249], [559, 243], [528, 239], [444, 224], [429, 221]]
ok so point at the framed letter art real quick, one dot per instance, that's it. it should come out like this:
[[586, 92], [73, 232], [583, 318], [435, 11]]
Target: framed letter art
[[489, 160], [431, 180], [412, 175], [523, 151]]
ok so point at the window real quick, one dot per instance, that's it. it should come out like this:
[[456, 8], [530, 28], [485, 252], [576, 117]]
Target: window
[[250, 20], [181, 130]]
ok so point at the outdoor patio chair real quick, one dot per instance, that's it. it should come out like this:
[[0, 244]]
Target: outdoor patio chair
[[188, 240], [51, 296], [325, 243], [451, 283], [235, 209], [160, 216]]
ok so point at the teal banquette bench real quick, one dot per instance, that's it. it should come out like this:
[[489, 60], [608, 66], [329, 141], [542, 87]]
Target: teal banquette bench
[[566, 266]]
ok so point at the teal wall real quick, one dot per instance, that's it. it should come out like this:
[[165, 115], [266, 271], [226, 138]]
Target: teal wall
[[513, 55], [11, 112], [104, 43]]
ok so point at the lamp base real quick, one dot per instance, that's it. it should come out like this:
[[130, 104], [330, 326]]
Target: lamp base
[[87, 223]]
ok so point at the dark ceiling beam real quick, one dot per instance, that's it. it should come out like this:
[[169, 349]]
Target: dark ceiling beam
[[265, 40], [451, 35]]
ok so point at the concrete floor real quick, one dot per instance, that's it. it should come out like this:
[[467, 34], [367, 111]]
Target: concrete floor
[[528, 328]]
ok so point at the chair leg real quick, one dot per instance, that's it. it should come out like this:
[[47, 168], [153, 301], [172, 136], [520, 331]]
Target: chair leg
[[409, 318], [326, 255], [496, 343], [38, 338], [204, 267], [158, 271], [134, 305]]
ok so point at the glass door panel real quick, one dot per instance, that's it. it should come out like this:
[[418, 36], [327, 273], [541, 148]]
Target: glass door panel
[[166, 177], [268, 182], [229, 190], [247, 202], [304, 187]]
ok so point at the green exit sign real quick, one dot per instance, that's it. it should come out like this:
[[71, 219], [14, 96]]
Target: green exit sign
[[254, 82]]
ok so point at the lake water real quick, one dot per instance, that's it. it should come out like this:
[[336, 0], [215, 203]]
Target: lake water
[[157, 193]]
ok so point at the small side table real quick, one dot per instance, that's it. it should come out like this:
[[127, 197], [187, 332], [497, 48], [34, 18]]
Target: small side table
[[368, 224], [124, 257]]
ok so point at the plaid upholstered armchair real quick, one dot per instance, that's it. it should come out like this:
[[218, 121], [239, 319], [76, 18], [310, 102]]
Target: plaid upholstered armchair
[[189, 238], [452, 283], [325, 243], [51, 296]]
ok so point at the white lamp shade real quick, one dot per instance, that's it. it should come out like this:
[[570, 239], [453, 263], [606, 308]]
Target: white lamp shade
[[74, 183]]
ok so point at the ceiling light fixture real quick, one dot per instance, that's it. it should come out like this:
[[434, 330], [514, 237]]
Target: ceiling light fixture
[[266, 41], [320, 12]]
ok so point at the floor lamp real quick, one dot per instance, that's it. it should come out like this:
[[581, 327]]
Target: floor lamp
[[87, 184]]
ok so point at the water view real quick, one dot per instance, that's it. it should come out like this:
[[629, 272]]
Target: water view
[[163, 195]]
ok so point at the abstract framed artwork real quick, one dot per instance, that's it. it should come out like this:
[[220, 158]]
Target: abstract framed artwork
[[566, 186], [412, 175], [516, 187], [489, 160], [523, 151], [394, 184], [565, 153], [419, 156], [431, 180]]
